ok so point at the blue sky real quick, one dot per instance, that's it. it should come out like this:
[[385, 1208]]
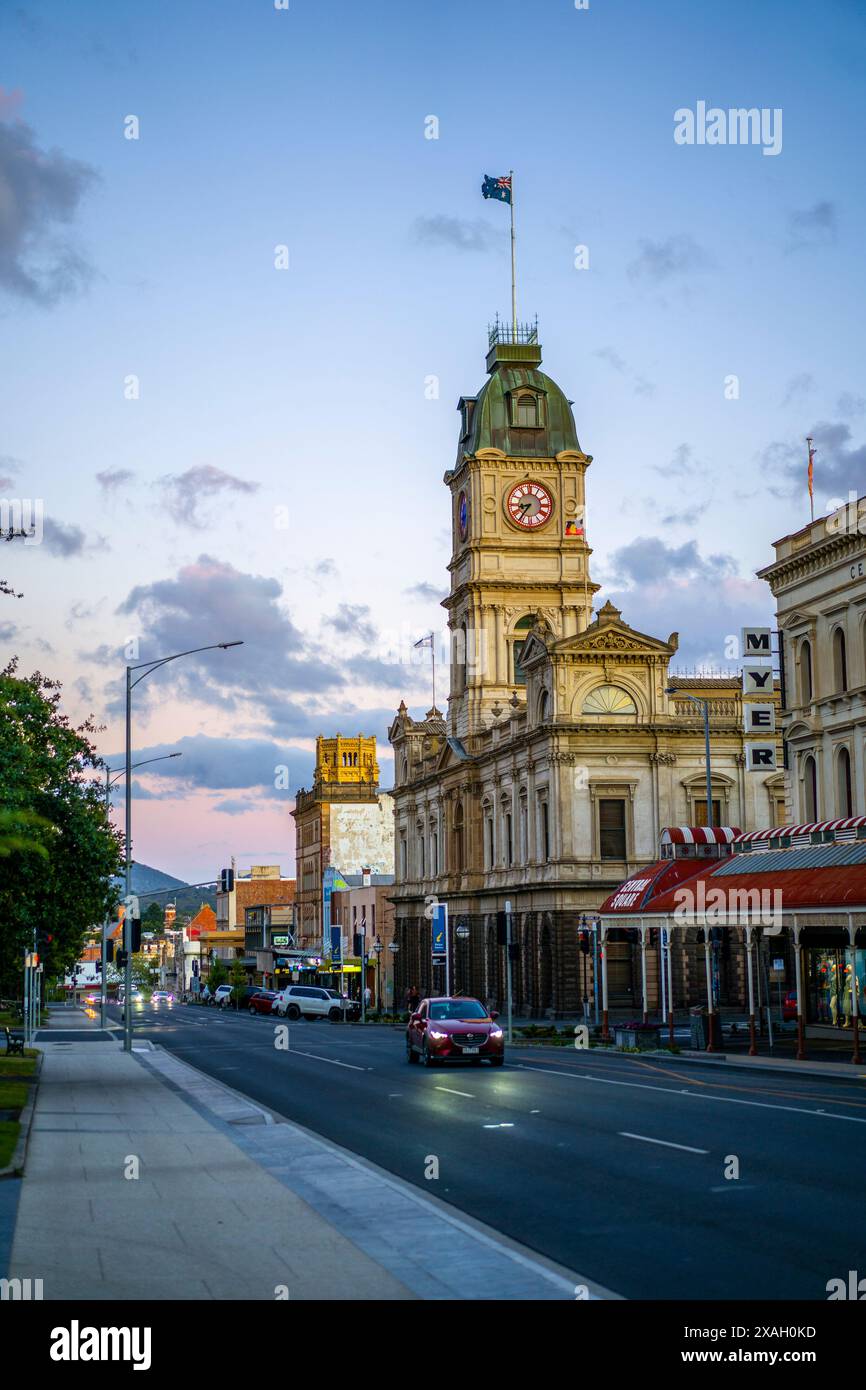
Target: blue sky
[[279, 477]]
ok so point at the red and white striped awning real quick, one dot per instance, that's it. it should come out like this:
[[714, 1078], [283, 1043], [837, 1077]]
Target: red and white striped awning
[[700, 835], [788, 832]]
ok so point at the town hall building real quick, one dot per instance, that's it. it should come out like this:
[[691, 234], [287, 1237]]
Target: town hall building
[[567, 746]]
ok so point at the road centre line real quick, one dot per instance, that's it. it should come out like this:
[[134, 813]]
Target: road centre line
[[666, 1143], [454, 1093], [697, 1095]]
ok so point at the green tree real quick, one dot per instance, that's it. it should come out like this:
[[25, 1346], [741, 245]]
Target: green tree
[[58, 849], [153, 919], [217, 975], [238, 978]]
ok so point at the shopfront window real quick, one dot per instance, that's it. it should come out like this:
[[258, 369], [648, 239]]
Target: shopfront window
[[830, 977]]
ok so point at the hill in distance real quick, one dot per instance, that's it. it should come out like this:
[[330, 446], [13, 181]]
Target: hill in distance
[[153, 886]]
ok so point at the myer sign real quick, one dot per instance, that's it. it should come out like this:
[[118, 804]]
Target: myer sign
[[759, 717]]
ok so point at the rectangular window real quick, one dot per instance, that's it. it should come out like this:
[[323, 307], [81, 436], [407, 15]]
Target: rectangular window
[[611, 829], [488, 828], [545, 832], [700, 817], [509, 847]]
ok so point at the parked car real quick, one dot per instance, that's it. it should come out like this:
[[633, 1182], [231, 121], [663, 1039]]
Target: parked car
[[221, 996], [454, 1029], [789, 1007], [262, 1001], [312, 1002]]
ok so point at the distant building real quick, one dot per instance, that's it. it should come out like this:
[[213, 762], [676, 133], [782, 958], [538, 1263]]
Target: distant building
[[818, 579], [343, 822], [366, 907], [262, 885]]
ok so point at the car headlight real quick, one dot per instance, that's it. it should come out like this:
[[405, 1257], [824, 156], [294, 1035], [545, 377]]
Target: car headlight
[[495, 1033], [437, 1037]]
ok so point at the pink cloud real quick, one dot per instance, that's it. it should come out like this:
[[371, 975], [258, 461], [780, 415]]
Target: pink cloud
[[10, 101]]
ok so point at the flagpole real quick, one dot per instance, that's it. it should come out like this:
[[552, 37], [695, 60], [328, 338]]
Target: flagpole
[[433, 659], [513, 262], [811, 477]]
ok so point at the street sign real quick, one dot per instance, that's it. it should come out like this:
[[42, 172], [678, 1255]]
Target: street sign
[[439, 934], [336, 947]]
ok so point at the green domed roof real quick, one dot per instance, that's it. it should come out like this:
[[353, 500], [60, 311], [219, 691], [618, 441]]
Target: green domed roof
[[491, 420]]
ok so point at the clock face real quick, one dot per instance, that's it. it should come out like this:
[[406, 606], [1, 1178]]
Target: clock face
[[529, 505], [463, 515]]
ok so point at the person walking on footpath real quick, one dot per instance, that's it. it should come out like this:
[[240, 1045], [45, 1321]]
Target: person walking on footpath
[[413, 999]]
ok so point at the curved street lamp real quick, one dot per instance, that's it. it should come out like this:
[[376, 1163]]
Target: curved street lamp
[[146, 668]]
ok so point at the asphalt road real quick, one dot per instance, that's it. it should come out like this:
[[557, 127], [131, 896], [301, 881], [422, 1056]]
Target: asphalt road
[[615, 1166]]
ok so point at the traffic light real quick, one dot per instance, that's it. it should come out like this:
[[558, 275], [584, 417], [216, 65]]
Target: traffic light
[[358, 944], [501, 929], [583, 938], [227, 880], [135, 933], [122, 958]]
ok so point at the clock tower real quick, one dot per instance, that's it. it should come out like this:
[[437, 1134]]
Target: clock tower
[[519, 554]]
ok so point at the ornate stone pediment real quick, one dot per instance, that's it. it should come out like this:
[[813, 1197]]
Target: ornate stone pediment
[[610, 634]]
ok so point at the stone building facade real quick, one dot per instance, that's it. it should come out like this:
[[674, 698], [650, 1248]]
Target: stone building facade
[[818, 579], [342, 822], [563, 753]]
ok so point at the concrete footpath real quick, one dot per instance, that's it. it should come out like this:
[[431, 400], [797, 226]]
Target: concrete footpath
[[147, 1179]]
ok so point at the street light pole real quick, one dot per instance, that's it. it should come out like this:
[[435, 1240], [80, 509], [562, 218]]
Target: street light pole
[[109, 783], [705, 704], [146, 668]]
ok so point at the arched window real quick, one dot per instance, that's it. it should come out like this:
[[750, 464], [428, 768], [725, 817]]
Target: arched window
[[805, 673], [526, 412], [457, 840], [544, 707], [608, 699], [810, 788], [487, 813], [840, 663], [521, 627], [844, 799], [421, 856]]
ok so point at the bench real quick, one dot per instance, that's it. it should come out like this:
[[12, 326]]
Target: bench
[[14, 1042]]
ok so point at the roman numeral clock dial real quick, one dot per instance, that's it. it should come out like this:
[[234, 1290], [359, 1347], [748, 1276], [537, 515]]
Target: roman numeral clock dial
[[529, 506]]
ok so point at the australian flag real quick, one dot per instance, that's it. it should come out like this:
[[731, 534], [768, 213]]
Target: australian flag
[[497, 188]]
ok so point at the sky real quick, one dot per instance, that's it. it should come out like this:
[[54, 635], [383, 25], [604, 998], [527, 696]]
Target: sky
[[231, 347]]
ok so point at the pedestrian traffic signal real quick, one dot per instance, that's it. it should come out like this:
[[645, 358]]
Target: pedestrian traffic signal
[[227, 880], [122, 958], [358, 944], [501, 929], [135, 933], [109, 951], [583, 938]]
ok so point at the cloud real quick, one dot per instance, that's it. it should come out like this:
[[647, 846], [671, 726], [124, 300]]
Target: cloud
[[689, 517], [110, 479], [184, 494], [10, 102], [840, 465], [704, 615], [8, 631], [640, 384], [9, 466], [849, 405], [683, 463], [647, 560], [63, 541], [428, 593], [456, 232], [224, 764], [234, 807], [39, 189], [353, 620], [798, 386], [812, 227], [660, 261]]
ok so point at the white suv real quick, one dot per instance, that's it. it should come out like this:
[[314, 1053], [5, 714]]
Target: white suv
[[309, 1001], [221, 996]]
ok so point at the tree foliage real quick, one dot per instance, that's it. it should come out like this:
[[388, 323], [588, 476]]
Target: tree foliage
[[58, 849]]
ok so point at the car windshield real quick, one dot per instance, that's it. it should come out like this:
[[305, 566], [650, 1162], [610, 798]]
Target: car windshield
[[457, 1008]]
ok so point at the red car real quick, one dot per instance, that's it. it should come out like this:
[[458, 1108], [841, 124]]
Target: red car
[[454, 1029], [789, 1006], [261, 1003]]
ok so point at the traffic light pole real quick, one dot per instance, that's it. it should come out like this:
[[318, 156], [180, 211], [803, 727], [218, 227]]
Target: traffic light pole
[[127, 916], [508, 968]]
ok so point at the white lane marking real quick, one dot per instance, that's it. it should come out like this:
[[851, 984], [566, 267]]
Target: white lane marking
[[666, 1143], [735, 1187], [698, 1095], [535, 1112], [454, 1093], [502, 1126], [296, 1051]]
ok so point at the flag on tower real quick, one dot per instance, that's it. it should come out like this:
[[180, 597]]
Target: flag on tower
[[497, 188]]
